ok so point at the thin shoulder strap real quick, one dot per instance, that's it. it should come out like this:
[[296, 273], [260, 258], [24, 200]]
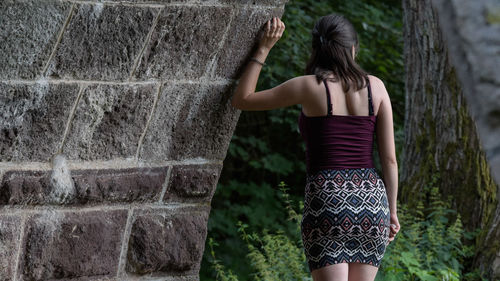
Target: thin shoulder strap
[[370, 104], [329, 103]]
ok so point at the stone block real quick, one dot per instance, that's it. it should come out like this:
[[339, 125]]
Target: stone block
[[189, 183], [28, 33], [158, 139], [205, 125], [191, 120], [108, 121], [9, 236], [166, 240], [249, 2], [207, 2], [183, 51], [150, 1], [25, 188], [33, 119], [239, 45], [125, 185], [102, 42], [91, 186], [59, 245]]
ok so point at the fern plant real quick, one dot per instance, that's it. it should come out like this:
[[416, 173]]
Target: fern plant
[[429, 246], [273, 256]]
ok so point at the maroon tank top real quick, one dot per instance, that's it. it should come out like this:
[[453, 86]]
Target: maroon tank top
[[338, 141]]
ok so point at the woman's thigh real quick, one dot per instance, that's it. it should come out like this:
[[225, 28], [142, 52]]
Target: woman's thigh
[[334, 272], [362, 272]]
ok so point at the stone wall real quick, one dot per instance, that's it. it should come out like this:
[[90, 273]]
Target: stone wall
[[115, 119]]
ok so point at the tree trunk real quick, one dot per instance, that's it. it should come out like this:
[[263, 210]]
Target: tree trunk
[[440, 135], [472, 35]]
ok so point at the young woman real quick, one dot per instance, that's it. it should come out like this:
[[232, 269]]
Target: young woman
[[350, 211]]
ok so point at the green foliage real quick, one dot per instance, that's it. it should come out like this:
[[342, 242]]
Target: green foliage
[[218, 267], [428, 247], [257, 205], [273, 256]]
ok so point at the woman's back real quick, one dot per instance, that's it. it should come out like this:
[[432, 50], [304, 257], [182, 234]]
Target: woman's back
[[355, 103], [346, 212], [339, 140], [347, 206]]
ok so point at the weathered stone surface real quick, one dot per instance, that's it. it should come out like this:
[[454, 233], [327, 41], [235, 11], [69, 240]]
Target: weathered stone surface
[[59, 245], [204, 126], [9, 233], [239, 44], [250, 2], [25, 187], [192, 182], [125, 185], [165, 240], [183, 50], [108, 121], [208, 2], [191, 120], [91, 186], [101, 42], [33, 118], [158, 139], [28, 33]]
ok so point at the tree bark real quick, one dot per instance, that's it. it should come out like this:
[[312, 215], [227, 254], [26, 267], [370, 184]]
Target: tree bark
[[441, 137], [472, 34]]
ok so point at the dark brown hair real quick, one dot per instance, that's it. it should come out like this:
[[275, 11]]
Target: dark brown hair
[[332, 39]]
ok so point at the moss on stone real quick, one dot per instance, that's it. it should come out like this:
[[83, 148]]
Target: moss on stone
[[493, 15]]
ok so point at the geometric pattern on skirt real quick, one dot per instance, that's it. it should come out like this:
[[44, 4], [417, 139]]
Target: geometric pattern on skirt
[[345, 217]]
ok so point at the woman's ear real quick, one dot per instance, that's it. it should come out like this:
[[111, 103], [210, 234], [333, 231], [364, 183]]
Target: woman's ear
[[353, 52]]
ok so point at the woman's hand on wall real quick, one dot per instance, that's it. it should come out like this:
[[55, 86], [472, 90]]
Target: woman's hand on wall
[[272, 33]]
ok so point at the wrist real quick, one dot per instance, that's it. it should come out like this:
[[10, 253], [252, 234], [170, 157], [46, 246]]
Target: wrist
[[260, 55], [262, 51]]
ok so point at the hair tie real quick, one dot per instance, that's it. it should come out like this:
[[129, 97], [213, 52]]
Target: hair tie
[[322, 39]]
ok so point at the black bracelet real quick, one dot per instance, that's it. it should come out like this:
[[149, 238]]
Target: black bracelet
[[255, 60]]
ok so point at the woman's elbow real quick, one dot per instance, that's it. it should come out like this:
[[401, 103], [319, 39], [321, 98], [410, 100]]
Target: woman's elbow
[[390, 161], [241, 104], [235, 103]]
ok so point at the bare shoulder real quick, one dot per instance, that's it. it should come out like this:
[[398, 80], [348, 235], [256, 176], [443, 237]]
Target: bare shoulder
[[304, 83], [309, 82], [378, 87], [305, 80], [375, 79]]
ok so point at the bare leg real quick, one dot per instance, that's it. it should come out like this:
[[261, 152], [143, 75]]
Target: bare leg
[[334, 272], [362, 272]]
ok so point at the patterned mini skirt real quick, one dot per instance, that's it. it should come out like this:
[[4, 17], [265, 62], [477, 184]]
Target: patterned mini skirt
[[346, 217]]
